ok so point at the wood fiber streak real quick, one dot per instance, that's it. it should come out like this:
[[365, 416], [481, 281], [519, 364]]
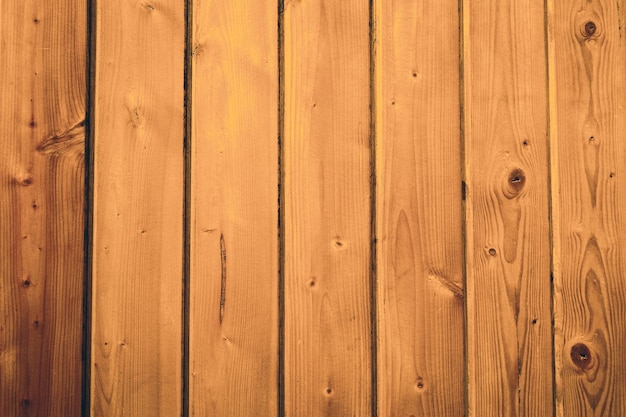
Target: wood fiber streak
[[588, 91], [42, 135], [327, 208], [509, 353], [138, 209], [419, 236], [234, 209]]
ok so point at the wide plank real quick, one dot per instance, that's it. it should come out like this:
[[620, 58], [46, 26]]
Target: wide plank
[[418, 212], [509, 350], [326, 164], [588, 96], [233, 351], [138, 208], [42, 135]]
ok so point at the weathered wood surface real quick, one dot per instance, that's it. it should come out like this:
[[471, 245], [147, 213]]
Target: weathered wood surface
[[419, 216], [233, 351], [138, 209], [43, 48], [509, 346]]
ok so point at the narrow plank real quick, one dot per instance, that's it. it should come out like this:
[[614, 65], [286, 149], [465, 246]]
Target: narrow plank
[[138, 208], [509, 348], [419, 215], [42, 133], [327, 208], [588, 96], [234, 209]]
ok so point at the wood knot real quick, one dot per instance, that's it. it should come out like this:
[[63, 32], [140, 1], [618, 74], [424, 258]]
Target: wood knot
[[581, 356], [516, 180], [590, 29], [419, 384]]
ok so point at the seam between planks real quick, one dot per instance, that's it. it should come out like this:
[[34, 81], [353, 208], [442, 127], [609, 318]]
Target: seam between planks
[[550, 103], [373, 241], [88, 206], [463, 27], [281, 212], [187, 143]]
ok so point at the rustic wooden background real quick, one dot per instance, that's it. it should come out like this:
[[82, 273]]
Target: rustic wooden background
[[313, 208]]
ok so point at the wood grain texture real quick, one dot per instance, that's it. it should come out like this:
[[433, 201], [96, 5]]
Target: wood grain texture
[[419, 231], [42, 133], [588, 93], [138, 214], [509, 353], [327, 208], [234, 209]]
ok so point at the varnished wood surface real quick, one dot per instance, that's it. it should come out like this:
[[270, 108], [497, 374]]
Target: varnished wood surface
[[233, 351], [43, 48], [327, 208], [509, 347], [313, 208], [588, 95], [418, 211], [138, 209]]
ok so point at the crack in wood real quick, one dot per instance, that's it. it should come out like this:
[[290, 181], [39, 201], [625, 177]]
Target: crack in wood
[[74, 136], [223, 281]]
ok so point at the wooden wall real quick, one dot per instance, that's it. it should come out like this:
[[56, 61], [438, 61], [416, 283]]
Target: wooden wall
[[394, 208]]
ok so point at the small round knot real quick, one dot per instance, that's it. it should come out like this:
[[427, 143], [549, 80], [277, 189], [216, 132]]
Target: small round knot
[[590, 29], [581, 356]]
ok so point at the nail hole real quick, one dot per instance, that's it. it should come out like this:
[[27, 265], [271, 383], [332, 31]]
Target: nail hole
[[26, 283], [611, 175], [525, 143], [329, 391], [534, 321], [591, 139]]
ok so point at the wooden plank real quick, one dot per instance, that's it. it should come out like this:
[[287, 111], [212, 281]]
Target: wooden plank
[[42, 133], [508, 253], [138, 208], [419, 215], [327, 208], [588, 93], [234, 209]]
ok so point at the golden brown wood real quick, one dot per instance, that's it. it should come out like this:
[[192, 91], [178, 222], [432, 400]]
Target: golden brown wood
[[138, 209], [42, 134], [327, 216], [419, 232], [509, 355], [234, 209], [588, 93]]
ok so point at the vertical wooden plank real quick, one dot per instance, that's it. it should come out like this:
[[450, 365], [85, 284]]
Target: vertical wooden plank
[[588, 96], [234, 209], [327, 208], [138, 208], [508, 253], [42, 133], [419, 215]]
